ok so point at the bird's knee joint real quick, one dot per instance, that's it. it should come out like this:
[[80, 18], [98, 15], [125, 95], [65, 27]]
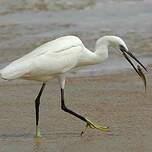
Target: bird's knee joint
[[63, 107]]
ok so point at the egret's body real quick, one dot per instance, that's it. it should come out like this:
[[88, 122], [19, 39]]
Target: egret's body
[[56, 58], [51, 59]]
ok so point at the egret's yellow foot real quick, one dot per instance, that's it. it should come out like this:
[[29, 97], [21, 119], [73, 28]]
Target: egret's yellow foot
[[94, 126], [38, 134]]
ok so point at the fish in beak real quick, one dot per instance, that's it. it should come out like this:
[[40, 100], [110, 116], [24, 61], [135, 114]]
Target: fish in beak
[[139, 67]]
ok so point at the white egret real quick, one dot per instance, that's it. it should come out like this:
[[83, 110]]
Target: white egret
[[56, 58]]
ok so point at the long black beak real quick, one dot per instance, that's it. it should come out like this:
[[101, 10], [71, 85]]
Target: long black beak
[[138, 69]]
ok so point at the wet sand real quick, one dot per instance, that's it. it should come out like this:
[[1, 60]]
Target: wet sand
[[115, 100]]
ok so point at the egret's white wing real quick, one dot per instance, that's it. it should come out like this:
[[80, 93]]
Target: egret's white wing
[[43, 65], [57, 45]]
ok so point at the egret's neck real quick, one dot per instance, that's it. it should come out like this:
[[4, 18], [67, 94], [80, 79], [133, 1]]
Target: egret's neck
[[100, 54], [102, 45]]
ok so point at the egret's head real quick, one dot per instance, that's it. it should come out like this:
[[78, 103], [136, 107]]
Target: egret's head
[[119, 44], [116, 42]]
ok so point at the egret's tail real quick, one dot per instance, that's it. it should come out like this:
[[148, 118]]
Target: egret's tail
[[14, 70], [7, 74], [0, 73], [1, 76]]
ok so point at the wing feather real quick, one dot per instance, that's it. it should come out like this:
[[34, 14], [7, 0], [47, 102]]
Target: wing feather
[[57, 45], [53, 57]]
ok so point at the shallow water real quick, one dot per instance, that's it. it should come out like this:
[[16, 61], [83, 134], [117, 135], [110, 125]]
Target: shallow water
[[24, 27]]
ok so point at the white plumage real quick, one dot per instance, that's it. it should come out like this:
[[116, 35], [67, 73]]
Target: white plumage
[[51, 59]]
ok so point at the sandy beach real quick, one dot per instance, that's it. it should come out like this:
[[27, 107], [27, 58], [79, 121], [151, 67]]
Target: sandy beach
[[116, 100]]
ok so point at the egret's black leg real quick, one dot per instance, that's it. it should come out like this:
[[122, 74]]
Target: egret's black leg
[[63, 107], [37, 104], [88, 122]]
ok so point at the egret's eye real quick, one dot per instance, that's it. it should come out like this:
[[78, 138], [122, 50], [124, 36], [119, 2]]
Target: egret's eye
[[122, 48]]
